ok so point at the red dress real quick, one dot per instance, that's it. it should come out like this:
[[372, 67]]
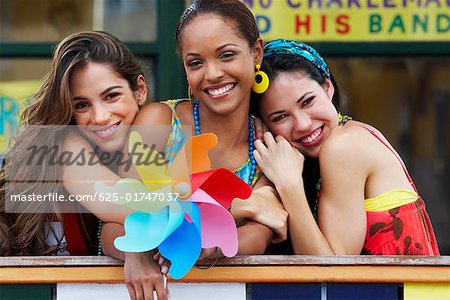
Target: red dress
[[80, 231], [403, 230]]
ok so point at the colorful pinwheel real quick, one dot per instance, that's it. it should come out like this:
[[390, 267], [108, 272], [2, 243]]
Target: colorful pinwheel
[[198, 218]]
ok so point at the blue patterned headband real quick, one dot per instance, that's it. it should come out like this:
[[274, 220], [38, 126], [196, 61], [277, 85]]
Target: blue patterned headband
[[290, 47]]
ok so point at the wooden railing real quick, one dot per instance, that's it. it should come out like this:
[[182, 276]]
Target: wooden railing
[[258, 268], [242, 269]]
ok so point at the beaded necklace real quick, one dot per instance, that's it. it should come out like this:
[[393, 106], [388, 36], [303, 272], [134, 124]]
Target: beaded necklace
[[251, 139], [342, 120], [99, 236]]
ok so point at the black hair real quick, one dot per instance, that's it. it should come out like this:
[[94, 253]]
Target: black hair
[[231, 10], [274, 65]]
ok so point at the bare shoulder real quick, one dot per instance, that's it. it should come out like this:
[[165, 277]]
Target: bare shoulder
[[154, 113], [348, 143], [73, 140], [157, 113], [184, 111]]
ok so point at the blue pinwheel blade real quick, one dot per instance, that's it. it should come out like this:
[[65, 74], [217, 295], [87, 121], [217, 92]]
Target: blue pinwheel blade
[[183, 246], [143, 231]]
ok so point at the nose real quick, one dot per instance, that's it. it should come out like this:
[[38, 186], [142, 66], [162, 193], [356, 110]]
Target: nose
[[302, 122], [100, 114], [214, 72]]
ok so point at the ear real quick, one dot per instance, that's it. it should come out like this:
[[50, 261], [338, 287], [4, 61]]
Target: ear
[[329, 88], [141, 92], [258, 51]]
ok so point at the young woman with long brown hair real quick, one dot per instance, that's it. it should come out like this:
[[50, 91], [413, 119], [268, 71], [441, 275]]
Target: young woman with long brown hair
[[97, 84]]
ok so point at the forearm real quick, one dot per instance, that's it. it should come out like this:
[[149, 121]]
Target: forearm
[[110, 231], [253, 238], [306, 236]]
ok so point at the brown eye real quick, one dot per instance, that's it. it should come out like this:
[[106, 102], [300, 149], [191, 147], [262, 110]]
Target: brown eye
[[111, 96], [80, 106], [194, 63], [279, 118], [227, 54], [307, 101]]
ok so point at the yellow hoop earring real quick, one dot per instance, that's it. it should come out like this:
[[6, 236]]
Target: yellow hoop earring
[[261, 82], [190, 95]]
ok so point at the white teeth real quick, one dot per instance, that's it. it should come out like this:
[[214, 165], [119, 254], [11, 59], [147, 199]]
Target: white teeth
[[107, 131], [220, 91], [311, 137]]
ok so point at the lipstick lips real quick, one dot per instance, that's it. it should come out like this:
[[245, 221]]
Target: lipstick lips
[[312, 138]]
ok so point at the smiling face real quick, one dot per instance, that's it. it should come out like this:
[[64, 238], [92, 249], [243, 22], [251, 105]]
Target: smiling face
[[104, 104], [300, 110], [219, 63]]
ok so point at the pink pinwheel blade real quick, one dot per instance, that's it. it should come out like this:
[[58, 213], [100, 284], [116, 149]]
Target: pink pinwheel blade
[[218, 227]]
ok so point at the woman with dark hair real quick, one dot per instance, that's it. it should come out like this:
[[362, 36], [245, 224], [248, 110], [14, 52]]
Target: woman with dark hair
[[219, 44], [366, 202]]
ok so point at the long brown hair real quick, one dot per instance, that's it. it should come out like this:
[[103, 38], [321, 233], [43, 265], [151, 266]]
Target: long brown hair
[[24, 233]]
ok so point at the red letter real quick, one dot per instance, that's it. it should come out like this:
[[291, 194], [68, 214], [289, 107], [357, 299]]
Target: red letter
[[299, 23], [343, 21], [323, 23]]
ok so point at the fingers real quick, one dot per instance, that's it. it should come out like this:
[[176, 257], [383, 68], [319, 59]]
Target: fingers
[[162, 262], [269, 140], [257, 157], [161, 290], [207, 252], [265, 128], [131, 291], [259, 145], [280, 138], [165, 267], [152, 286], [280, 234], [139, 290], [148, 293], [260, 128], [278, 239], [143, 276], [157, 256], [281, 229]]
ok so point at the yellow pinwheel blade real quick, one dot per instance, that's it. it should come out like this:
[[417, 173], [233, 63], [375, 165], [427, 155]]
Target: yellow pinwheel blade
[[153, 176]]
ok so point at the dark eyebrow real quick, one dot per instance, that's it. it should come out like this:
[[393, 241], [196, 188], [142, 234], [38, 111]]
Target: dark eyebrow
[[101, 94], [303, 97], [110, 88], [226, 45], [217, 50], [298, 101]]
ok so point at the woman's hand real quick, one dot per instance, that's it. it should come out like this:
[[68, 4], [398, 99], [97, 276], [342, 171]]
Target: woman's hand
[[143, 276], [278, 160], [264, 207], [260, 128], [210, 253], [162, 262]]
